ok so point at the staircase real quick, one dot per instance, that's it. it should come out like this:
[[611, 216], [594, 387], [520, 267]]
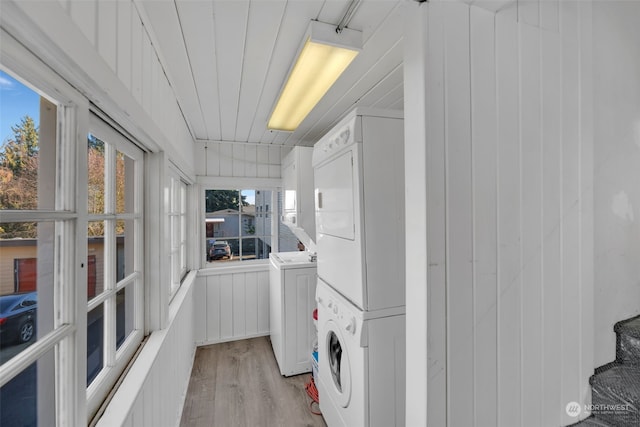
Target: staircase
[[615, 387]]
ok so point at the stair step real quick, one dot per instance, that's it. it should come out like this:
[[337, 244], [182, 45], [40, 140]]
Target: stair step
[[628, 341], [616, 396]]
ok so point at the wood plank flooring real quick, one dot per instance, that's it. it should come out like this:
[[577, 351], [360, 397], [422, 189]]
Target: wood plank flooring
[[238, 384]]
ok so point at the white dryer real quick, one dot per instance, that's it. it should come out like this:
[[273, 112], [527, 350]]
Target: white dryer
[[361, 358], [292, 287], [359, 188]]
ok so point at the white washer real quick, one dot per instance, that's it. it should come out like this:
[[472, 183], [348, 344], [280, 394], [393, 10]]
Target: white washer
[[292, 286], [359, 184], [361, 358]]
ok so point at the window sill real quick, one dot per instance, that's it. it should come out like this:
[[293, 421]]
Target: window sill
[[240, 267]]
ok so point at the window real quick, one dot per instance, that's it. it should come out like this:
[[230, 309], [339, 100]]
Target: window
[[36, 219], [177, 217], [114, 241], [240, 226]]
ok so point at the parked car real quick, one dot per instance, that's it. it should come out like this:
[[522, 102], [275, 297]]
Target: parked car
[[18, 314], [220, 250]]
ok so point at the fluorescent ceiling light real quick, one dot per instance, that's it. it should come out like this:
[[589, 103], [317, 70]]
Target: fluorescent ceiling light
[[324, 55]]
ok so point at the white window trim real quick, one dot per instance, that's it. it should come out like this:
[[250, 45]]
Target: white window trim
[[115, 360], [66, 339], [174, 173]]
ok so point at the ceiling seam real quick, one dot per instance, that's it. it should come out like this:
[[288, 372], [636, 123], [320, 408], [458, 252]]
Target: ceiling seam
[[215, 49], [273, 47], [244, 55], [148, 28], [193, 79]]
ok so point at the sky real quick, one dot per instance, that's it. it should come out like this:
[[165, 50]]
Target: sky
[[16, 101]]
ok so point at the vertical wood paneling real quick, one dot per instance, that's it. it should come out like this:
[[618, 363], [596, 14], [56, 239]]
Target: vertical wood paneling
[[213, 161], [484, 166], [250, 155], [587, 174], [200, 306], [235, 306], [213, 294], [509, 224], [107, 29], [551, 217], [239, 305], [549, 15], [459, 209], [517, 211], [239, 162], [84, 15], [251, 303], [147, 66], [275, 156], [570, 211], [226, 159], [124, 43], [262, 153], [436, 232], [529, 12], [263, 302], [531, 200], [138, 411], [137, 50], [225, 307]]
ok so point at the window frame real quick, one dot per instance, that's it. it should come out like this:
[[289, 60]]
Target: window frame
[[116, 359], [236, 183], [63, 340], [178, 190]]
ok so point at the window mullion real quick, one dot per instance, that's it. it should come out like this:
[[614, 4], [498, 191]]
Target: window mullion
[[110, 257]]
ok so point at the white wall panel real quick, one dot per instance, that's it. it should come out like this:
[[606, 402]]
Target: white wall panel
[[506, 101], [154, 389], [107, 25], [484, 188], [459, 211], [239, 160], [509, 223], [124, 64], [236, 305], [617, 156]]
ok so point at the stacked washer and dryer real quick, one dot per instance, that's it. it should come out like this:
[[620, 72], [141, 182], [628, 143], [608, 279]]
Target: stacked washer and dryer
[[360, 294]]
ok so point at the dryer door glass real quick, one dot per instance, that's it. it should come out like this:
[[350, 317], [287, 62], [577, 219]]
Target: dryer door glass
[[335, 359]]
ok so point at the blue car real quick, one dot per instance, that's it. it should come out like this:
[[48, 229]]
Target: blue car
[[18, 314]]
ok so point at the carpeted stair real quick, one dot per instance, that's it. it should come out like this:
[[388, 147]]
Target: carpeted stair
[[615, 387]]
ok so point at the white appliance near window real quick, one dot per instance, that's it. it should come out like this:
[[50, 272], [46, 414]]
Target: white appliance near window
[[298, 211], [359, 186], [292, 287], [361, 363]]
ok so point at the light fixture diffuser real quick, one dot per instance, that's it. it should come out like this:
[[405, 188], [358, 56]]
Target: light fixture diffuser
[[324, 55]]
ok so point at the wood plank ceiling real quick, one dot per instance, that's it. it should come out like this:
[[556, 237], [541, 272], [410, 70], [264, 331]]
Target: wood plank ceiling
[[227, 60]]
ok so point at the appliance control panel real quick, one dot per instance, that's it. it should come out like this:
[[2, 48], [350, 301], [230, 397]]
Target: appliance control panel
[[339, 313], [336, 141]]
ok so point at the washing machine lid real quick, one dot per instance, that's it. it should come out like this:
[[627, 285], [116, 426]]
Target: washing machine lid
[[298, 259]]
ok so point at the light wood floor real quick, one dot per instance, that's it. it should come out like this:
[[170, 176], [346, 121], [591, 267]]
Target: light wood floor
[[238, 384]]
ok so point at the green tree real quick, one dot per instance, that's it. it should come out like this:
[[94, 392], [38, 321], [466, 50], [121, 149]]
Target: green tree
[[19, 177], [19, 150], [217, 200]]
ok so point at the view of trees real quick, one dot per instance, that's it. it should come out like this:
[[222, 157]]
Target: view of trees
[[19, 180], [19, 176], [217, 200]]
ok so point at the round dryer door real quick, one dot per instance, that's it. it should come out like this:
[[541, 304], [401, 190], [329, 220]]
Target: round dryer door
[[338, 364]]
